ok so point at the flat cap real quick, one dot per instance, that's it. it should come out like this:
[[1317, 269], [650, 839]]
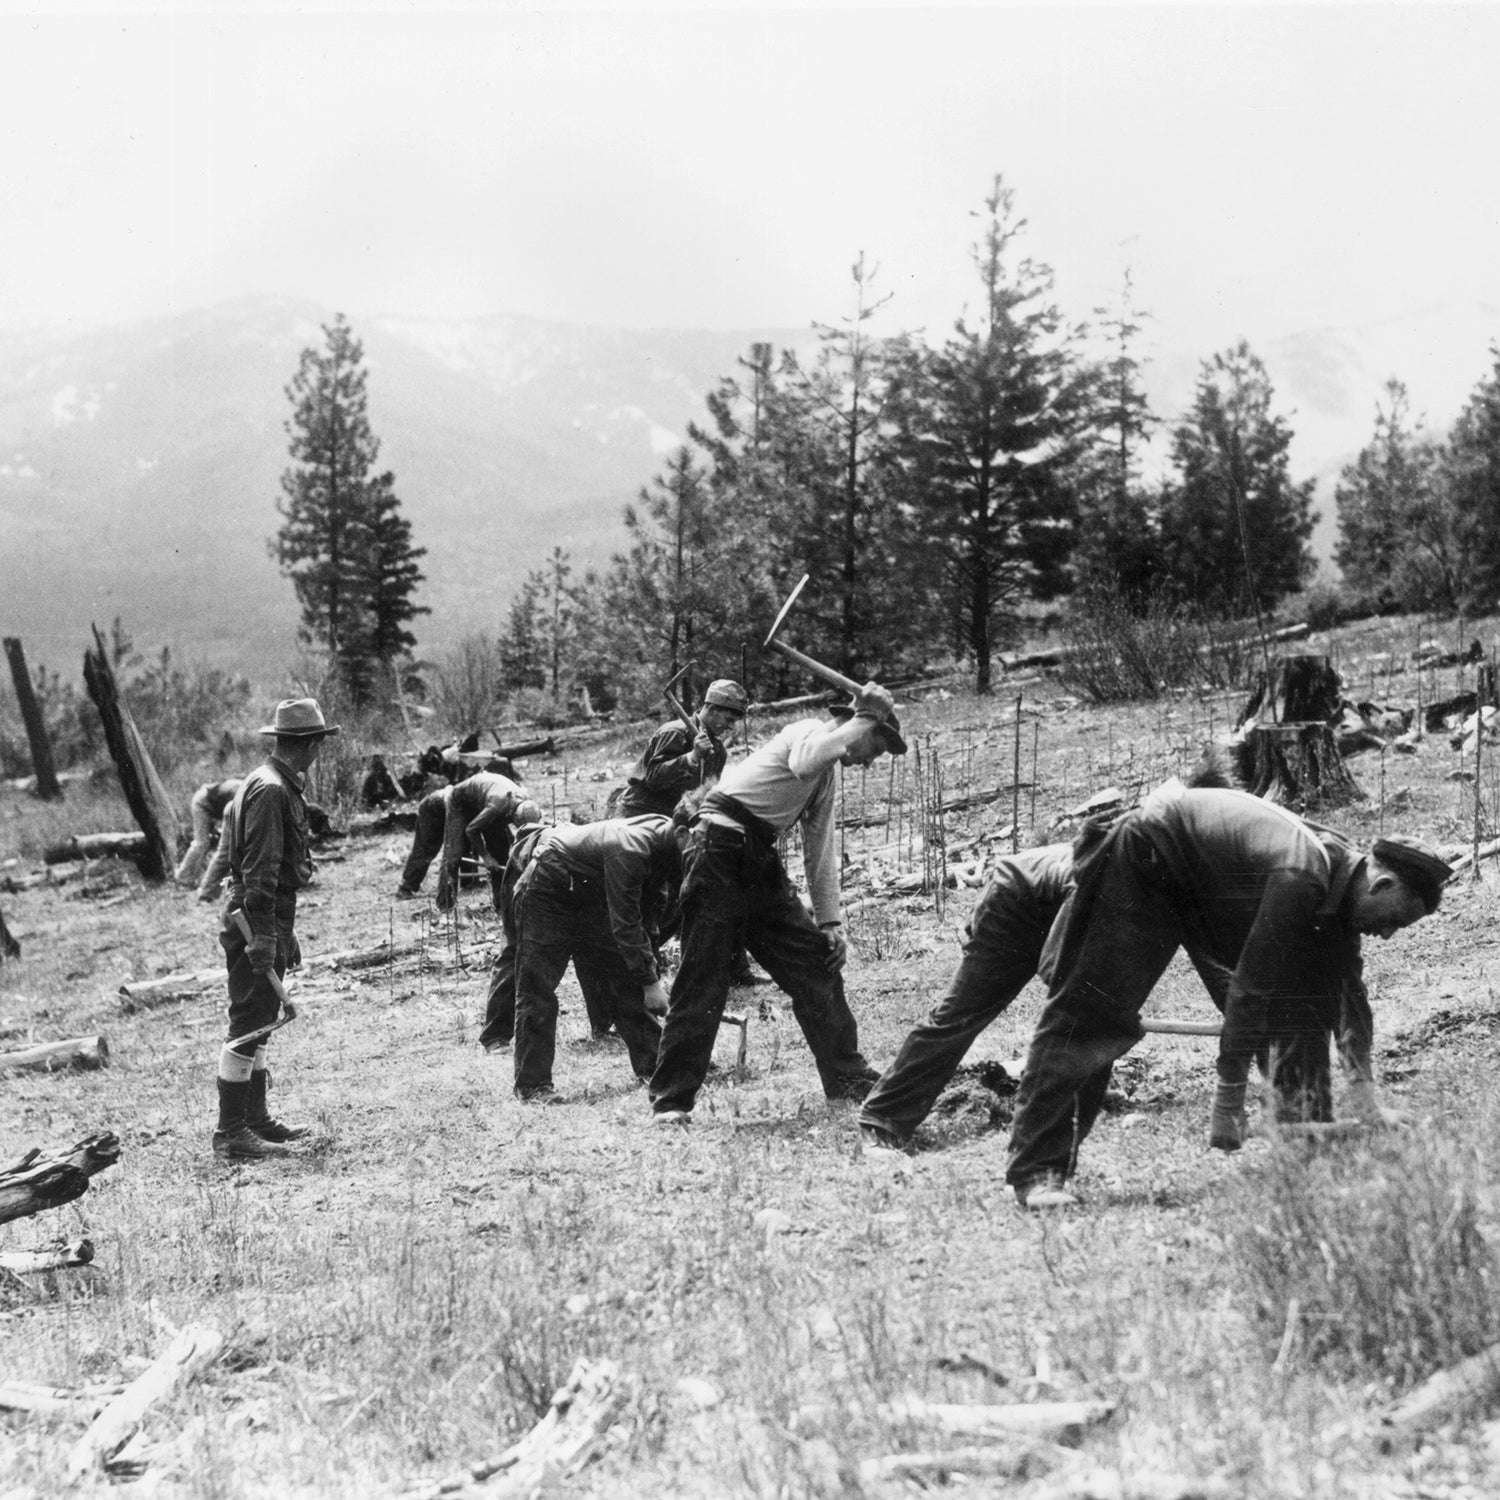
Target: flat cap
[[1418, 864]]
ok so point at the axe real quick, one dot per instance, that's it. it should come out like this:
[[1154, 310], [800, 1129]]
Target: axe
[[243, 923], [827, 674]]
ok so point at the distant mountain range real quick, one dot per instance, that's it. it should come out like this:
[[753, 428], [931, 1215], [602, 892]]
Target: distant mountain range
[[140, 463]]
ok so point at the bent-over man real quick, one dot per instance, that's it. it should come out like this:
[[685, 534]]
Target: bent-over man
[[426, 842], [736, 893], [269, 862], [207, 809], [1243, 883], [477, 820], [590, 894]]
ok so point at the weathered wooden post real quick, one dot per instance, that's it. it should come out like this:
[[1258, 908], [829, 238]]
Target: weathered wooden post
[[47, 786], [138, 779], [1289, 753]]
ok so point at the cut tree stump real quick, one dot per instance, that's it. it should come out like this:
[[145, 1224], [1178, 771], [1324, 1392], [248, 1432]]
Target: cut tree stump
[[85, 1053], [143, 789], [37, 1183], [1289, 753]]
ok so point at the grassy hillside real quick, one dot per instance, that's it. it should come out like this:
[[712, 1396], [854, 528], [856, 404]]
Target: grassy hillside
[[402, 1299]]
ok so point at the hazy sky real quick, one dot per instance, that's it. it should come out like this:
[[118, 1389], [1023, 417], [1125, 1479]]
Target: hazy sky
[[1261, 169]]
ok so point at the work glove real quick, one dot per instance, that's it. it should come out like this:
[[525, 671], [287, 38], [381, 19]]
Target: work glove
[[838, 946], [1228, 1127], [261, 951], [656, 998]]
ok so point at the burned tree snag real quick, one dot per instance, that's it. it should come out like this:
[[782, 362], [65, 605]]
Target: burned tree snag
[[9, 947], [47, 787], [138, 779], [1289, 753]]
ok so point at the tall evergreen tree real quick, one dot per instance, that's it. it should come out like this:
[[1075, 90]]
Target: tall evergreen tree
[[997, 418], [1471, 486], [1118, 544], [342, 540], [1235, 528], [1398, 539]]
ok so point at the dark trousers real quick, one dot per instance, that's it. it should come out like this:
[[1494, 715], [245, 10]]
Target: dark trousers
[[1000, 954], [252, 1001], [735, 892], [426, 840], [1092, 1014], [558, 922]]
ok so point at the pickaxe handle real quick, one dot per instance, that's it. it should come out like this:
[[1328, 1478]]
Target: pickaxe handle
[[828, 674], [243, 923], [676, 705]]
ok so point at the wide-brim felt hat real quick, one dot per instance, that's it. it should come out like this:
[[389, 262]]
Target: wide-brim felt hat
[[1418, 864], [887, 723], [299, 718]]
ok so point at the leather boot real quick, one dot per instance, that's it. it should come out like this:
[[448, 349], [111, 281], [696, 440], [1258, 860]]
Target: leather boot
[[259, 1117], [234, 1138]]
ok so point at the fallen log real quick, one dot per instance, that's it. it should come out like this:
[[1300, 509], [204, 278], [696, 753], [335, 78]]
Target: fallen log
[[85, 1053], [96, 846], [1467, 858], [28, 1395], [142, 994], [1448, 1394], [193, 1350], [36, 1183], [1061, 1421], [368, 958], [559, 1445], [1018, 1459], [1109, 1484], [62, 1258]]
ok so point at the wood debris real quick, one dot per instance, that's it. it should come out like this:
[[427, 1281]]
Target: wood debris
[[83, 1053], [36, 1182]]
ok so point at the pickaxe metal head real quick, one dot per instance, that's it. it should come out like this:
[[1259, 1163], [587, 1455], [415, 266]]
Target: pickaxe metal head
[[786, 608]]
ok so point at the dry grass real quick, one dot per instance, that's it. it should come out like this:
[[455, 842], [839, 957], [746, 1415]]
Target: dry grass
[[404, 1298]]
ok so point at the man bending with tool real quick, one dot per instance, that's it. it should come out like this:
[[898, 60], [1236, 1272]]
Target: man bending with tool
[[269, 862], [1235, 879], [736, 892], [1002, 952]]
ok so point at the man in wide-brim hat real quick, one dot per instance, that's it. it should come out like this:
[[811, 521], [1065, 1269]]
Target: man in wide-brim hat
[[269, 862]]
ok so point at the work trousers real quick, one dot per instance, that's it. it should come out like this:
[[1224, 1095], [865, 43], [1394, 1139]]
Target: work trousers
[[426, 840], [1001, 950], [560, 920], [1092, 1014], [252, 1001], [736, 893]]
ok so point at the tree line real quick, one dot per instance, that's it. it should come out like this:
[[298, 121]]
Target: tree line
[[933, 489]]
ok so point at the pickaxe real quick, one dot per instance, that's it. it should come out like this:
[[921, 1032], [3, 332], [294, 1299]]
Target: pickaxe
[[827, 674], [676, 703], [243, 923]]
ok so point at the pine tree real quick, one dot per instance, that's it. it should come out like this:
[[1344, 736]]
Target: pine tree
[[1471, 488], [342, 540], [1398, 541], [999, 414], [1235, 528]]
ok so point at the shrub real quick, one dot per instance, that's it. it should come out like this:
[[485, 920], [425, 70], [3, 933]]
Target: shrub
[[1375, 1261], [1118, 654], [466, 684]]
